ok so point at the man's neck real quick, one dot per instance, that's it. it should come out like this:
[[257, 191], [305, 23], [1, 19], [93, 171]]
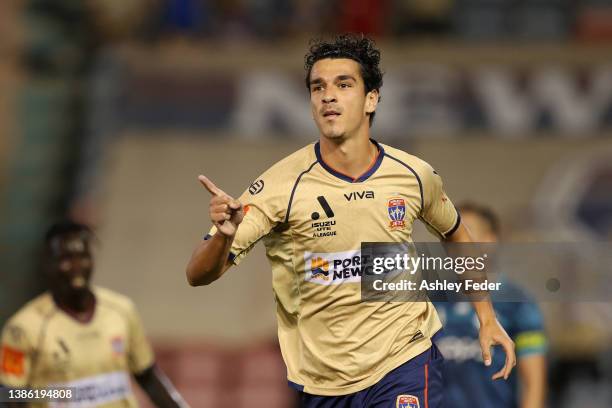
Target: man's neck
[[79, 306], [352, 156]]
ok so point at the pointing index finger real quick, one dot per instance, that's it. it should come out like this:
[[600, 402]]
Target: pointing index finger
[[210, 186]]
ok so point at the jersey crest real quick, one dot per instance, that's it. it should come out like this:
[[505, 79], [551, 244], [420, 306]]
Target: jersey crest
[[407, 401], [396, 208]]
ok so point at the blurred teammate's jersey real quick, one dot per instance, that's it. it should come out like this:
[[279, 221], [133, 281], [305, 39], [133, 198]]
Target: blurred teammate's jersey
[[313, 220], [467, 382], [42, 347]]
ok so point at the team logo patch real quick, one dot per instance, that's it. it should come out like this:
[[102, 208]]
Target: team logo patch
[[332, 268], [396, 208], [256, 187], [118, 345], [319, 268], [407, 401], [13, 361]]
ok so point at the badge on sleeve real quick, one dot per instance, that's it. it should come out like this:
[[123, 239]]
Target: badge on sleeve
[[13, 361], [118, 345], [256, 187]]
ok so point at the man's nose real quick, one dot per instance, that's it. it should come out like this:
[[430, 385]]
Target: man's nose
[[75, 266], [329, 97]]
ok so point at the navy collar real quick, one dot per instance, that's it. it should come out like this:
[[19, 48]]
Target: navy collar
[[364, 176]]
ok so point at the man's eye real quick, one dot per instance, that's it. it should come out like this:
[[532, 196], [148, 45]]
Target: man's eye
[[345, 85], [316, 88]]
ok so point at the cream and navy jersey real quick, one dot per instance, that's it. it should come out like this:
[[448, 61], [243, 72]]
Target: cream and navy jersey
[[44, 347], [312, 220]]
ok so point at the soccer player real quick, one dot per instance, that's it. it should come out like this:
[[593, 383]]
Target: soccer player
[[313, 210], [81, 337], [465, 379]]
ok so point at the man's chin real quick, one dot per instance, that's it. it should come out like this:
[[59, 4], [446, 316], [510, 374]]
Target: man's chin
[[79, 289], [333, 135]]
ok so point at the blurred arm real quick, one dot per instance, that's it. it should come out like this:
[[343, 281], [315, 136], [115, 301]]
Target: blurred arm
[[15, 358], [532, 376], [159, 388]]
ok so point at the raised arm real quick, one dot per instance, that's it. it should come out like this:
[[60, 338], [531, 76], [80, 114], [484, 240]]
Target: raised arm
[[210, 259]]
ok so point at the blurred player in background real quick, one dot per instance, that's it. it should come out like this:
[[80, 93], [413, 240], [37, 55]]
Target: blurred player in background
[[313, 210], [465, 379], [79, 336]]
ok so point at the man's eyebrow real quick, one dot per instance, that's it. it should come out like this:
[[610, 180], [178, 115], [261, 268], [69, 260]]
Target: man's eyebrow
[[316, 81], [345, 77]]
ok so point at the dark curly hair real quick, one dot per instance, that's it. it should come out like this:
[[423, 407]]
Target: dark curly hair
[[356, 47]]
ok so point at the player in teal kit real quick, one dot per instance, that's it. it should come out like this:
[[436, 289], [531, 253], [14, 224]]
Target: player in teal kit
[[466, 382]]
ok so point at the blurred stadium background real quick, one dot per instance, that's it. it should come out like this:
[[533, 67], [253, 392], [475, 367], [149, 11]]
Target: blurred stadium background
[[110, 109]]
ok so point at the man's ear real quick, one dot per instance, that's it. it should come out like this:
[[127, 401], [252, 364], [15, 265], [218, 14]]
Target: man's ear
[[371, 101]]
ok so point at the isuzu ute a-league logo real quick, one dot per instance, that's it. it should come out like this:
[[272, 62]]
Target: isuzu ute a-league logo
[[323, 228], [396, 208]]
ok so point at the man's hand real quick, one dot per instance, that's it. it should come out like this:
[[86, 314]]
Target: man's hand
[[210, 259], [225, 212], [491, 334]]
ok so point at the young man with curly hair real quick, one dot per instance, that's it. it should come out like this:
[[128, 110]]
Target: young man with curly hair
[[313, 210]]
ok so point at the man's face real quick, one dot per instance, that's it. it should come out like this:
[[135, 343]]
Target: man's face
[[338, 100], [70, 264], [478, 226]]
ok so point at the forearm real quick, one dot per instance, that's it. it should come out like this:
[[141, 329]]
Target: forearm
[[532, 397], [209, 260], [532, 375], [159, 389], [480, 300], [484, 310]]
